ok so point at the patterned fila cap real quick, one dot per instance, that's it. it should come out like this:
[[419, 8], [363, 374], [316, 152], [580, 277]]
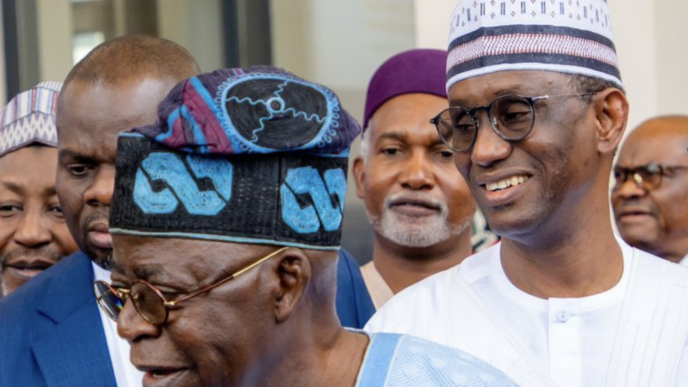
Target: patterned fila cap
[[29, 118], [567, 36], [254, 155]]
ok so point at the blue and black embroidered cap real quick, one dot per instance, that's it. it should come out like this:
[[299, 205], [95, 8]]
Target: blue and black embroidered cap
[[253, 155]]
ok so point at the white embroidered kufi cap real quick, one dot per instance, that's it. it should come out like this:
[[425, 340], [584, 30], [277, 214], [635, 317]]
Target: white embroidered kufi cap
[[568, 36], [29, 118]]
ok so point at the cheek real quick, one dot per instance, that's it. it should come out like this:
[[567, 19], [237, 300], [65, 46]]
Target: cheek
[[7, 229], [378, 184], [462, 162], [64, 238]]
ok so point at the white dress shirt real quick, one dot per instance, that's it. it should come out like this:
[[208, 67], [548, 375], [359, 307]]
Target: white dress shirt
[[126, 374], [570, 339]]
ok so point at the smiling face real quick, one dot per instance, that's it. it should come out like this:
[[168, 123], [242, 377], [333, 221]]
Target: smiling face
[[540, 180], [413, 194], [33, 234], [214, 339], [90, 117], [655, 220]]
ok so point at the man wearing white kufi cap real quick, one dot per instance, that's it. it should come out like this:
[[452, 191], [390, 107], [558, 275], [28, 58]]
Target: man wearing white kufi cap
[[537, 111]]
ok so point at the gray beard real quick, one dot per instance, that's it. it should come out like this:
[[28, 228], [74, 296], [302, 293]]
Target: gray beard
[[418, 232]]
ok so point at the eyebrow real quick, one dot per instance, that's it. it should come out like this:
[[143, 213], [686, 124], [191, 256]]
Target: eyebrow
[[148, 272], [14, 187], [67, 153], [392, 136]]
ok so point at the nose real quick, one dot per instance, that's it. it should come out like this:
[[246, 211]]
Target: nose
[[629, 189], [33, 230], [417, 172], [101, 191], [132, 327], [489, 147]]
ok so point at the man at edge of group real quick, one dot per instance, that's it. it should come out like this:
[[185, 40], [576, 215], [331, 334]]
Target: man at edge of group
[[225, 277], [419, 205], [650, 197], [52, 332], [33, 233], [537, 111]]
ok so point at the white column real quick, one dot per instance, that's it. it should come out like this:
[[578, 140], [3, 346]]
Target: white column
[[54, 19]]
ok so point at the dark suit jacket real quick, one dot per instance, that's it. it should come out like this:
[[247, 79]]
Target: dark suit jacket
[[51, 333], [354, 305]]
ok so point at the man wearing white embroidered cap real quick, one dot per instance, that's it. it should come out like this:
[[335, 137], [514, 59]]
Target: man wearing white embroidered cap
[[537, 110]]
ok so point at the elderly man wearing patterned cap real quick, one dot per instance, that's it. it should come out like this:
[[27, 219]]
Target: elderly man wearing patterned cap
[[537, 111], [33, 233], [226, 222], [418, 203]]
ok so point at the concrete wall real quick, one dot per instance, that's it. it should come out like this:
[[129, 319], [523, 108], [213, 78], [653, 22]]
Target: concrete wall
[[54, 19], [3, 81], [197, 26]]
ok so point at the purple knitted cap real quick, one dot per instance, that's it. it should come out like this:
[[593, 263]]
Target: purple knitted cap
[[414, 71]]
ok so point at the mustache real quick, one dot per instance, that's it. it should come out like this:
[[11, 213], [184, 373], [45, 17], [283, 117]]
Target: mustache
[[416, 196], [44, 252], [95, 217]]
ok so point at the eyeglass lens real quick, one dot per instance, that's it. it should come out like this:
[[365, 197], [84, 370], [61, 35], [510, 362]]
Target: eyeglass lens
[[512, 117], [146, 301], [108, 299], [648, 177]]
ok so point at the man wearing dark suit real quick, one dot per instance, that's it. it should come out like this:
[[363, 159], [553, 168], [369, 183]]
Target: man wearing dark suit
[[51, 330]]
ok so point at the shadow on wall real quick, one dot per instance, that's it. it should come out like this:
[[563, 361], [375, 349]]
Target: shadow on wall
[[357, 233]]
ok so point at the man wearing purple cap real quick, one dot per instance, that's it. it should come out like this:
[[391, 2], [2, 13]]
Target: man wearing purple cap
[[537, 112], [418, 203], [33, 233]]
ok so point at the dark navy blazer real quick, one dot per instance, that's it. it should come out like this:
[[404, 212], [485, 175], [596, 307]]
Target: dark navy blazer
[[51, 333]]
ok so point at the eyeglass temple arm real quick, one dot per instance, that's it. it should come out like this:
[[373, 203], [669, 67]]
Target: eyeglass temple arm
[[231, 276]]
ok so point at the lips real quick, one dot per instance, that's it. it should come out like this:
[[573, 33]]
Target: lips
[[413, 206], [633, 214], [157, 376], [27, 267], [503, 187], [99, 235]]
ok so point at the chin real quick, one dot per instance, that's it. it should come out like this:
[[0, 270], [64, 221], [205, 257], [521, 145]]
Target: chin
[[513, 224]]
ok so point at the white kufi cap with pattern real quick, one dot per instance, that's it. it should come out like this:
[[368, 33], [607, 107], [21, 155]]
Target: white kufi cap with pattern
[[567, 36], [29, 118]]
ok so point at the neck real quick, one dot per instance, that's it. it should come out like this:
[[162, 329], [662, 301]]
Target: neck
[[673, 253], [402, 267], [576, 257], [322, 354]]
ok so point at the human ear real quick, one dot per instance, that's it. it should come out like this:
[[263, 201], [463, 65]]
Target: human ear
[[294, 272], [359, 176], [611, 110]]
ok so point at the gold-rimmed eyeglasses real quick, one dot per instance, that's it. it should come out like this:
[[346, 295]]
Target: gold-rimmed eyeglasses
[[149, 301]]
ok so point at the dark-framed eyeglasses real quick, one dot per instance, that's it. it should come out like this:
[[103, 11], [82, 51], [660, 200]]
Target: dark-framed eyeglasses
[[648, 177], [512, 117], [149, 301]]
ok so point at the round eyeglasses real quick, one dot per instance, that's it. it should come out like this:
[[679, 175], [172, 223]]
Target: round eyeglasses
[[512, 117], [647, 177], [149, 301]]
